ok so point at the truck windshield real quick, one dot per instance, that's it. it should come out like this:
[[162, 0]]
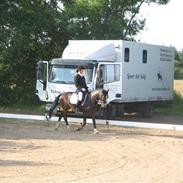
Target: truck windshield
[[65, 74]]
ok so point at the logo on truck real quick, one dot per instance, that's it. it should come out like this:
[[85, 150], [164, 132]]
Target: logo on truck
[[160, 77], [136, 76]]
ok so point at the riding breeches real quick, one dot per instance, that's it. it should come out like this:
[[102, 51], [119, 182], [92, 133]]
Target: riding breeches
[[80, 96]]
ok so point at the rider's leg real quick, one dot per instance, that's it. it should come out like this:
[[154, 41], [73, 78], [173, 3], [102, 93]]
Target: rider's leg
[[85, 96], [80, 97]]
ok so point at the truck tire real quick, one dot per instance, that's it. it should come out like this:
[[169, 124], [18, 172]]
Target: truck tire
[[147, 111], [115, 110]]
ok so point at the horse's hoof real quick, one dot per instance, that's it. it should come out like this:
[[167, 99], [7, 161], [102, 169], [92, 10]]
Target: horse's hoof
[[95, 131], [77, 129], [47, 117], [57, 126]]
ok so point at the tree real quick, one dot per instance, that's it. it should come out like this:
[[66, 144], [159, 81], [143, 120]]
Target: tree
[[105, 19], [178, 64], [29, 31]]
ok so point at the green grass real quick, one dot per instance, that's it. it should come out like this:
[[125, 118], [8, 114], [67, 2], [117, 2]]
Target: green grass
[[176, 109], [19, 108]]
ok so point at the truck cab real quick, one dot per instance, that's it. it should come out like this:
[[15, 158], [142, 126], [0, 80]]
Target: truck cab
[[57, 76]]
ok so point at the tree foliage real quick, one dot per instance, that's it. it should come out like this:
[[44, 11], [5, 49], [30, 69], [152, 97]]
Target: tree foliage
[[178, 64], [32, 30], [105, 19]]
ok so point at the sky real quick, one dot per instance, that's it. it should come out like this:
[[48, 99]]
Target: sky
[[164, 24]]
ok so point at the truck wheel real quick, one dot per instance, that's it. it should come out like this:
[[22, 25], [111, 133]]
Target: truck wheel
[[115, 110], [147, 111]]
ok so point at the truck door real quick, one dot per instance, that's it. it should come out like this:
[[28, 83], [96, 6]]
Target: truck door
[[109, 78], [41, 80]]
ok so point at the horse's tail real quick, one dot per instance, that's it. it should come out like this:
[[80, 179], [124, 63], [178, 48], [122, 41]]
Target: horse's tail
[[55, 103]]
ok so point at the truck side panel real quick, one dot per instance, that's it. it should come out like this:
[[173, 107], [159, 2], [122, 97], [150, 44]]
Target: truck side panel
[[147, 75]]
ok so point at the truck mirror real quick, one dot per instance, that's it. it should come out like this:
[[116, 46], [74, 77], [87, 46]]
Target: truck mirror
[[99, 81], [44, 84], [39, 72]]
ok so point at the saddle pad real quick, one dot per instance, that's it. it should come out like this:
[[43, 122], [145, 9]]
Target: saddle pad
[[74, 98]]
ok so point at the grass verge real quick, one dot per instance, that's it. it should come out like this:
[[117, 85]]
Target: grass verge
[[17, 108], [176, 108]]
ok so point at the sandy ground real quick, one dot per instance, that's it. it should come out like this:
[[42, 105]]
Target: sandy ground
[[32, 152]]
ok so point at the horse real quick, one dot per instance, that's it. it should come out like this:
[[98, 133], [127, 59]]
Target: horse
[[89, 109]]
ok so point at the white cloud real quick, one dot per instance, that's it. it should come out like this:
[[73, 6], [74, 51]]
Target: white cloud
[[163, 24]]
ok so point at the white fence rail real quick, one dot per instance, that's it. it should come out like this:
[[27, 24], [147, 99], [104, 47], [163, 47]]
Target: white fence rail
[[99, 121]]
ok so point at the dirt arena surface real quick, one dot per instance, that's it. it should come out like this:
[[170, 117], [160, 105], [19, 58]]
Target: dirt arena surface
[[31, 152]]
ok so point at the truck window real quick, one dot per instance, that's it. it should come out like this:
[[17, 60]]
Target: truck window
[[116, 72], [113, 73], [144, 56], [127, 55], [110, 72], [65, 74]]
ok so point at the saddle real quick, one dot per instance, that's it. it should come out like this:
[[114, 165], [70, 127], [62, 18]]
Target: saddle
[[74, 99]]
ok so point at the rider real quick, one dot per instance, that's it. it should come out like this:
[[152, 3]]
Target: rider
[[80, 83]]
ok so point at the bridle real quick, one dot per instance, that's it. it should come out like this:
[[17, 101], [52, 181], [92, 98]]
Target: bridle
[[103, 96]]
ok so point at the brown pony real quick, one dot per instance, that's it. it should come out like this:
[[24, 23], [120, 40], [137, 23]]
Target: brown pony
[[89, 109]]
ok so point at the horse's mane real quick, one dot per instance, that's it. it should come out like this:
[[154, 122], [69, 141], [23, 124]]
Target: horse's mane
[[96, 91]]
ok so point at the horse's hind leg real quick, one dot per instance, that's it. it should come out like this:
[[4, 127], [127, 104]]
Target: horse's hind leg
[[59, 122], [60, 117], [83, 124], [66, 122]]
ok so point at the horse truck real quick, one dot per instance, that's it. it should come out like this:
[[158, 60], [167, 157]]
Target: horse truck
[[138, 76]]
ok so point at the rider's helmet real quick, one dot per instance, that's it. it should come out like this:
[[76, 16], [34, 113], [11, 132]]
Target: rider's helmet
[[80, 67]]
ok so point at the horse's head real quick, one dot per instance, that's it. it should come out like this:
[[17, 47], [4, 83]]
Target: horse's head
[[103, 96]]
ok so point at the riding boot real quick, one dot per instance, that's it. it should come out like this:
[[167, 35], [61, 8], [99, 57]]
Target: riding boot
[[84, 101], [79, 105]]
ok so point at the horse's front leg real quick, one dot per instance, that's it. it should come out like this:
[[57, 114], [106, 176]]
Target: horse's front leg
[[59, 121], [94, 124]]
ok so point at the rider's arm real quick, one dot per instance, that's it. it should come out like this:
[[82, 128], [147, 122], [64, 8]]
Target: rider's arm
[[85, 85]]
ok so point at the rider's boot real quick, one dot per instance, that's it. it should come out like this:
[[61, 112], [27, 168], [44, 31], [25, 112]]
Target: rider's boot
[[83, 102], [79, 106]]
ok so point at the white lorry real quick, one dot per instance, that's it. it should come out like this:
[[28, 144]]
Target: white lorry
[[137, 75]]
